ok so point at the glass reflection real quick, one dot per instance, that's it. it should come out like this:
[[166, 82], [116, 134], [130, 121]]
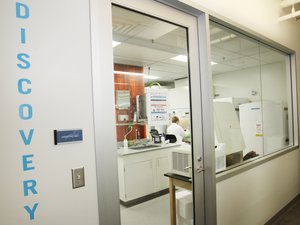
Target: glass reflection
[[252, 98], [151, 89]]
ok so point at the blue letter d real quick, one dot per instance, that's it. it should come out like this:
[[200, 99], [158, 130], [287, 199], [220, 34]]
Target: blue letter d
[[23, 14]]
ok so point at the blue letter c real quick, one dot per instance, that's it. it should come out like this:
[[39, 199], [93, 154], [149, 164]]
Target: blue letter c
[[21, 89]]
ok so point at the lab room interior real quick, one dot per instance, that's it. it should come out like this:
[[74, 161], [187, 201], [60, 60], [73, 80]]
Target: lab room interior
[[151, 112]]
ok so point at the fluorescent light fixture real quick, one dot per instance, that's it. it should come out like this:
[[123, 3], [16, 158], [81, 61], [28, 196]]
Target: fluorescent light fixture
[[115, 43], [221, 39], [122, 83], [150, 77], [181, 58]]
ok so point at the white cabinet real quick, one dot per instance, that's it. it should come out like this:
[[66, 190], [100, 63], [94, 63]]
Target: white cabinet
[[142, 173], [138, 179], [162, 167]]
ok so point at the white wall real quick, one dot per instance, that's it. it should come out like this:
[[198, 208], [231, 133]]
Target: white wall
[[255, 196], [252, 197], [58, 73], [177, 98]]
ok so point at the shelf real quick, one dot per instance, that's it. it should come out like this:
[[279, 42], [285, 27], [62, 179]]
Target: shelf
[[131, 123]]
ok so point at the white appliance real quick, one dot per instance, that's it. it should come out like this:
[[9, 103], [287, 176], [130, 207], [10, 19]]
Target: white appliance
[[235, 101], [220, 156], [184, 209], [227, 127], [181, 160], [264, 126]]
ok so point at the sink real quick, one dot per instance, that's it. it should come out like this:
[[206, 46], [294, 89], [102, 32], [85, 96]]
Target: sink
[[142, 147]]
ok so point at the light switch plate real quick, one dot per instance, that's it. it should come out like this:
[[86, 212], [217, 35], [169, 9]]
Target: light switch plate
[[78, 177]]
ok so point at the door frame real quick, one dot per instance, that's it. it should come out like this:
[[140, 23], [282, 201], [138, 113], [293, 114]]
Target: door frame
[[204, 183], [206, 93]]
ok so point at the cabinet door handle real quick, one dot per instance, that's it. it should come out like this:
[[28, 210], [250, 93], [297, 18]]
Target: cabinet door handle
[[187, 168]]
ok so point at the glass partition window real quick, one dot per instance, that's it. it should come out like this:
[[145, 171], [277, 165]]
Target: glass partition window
[[252, 98]]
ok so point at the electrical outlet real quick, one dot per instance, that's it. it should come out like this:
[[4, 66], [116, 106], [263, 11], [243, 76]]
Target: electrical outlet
[[78, 177]]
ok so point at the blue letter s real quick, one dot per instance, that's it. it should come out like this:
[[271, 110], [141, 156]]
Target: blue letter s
[[26, 64]]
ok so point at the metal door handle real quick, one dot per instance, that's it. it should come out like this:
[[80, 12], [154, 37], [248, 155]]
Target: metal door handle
[[199, 169]]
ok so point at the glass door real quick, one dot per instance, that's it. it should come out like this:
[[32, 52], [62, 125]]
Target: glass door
[[158, 117]]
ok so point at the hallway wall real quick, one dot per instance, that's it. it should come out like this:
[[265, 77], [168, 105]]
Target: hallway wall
[[45, 67], [46, 85], [254, 196]]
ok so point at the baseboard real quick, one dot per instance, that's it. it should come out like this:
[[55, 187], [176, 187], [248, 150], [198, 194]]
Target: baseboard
[[282, 211], [144, 198]]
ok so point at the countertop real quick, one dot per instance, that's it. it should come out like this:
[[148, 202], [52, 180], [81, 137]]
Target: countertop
[[129, 151]]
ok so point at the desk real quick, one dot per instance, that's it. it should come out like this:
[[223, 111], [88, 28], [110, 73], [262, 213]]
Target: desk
[[179, 181]]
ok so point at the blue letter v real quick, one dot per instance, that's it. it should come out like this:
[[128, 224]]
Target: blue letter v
[[26, 140]]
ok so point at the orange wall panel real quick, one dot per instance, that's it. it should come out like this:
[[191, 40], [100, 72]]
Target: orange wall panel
[[135, 85]]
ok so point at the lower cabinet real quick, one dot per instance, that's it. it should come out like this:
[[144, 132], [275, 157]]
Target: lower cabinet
[[138, 179], [162, 166], [142, 174]]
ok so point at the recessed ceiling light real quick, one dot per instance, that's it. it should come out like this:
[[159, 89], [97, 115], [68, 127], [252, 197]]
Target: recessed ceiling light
[[213, 63], [115, 43], [181, 58], [150, 77]]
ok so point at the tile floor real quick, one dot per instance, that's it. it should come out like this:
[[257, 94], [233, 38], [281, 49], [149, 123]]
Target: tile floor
[[291, 216], [156, 212], [153, 212]]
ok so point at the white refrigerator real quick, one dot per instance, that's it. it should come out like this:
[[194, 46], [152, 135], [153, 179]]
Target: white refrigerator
[[264, 126]]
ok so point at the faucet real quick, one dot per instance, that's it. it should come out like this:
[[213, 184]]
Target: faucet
[[137, 136], [128, 131]]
